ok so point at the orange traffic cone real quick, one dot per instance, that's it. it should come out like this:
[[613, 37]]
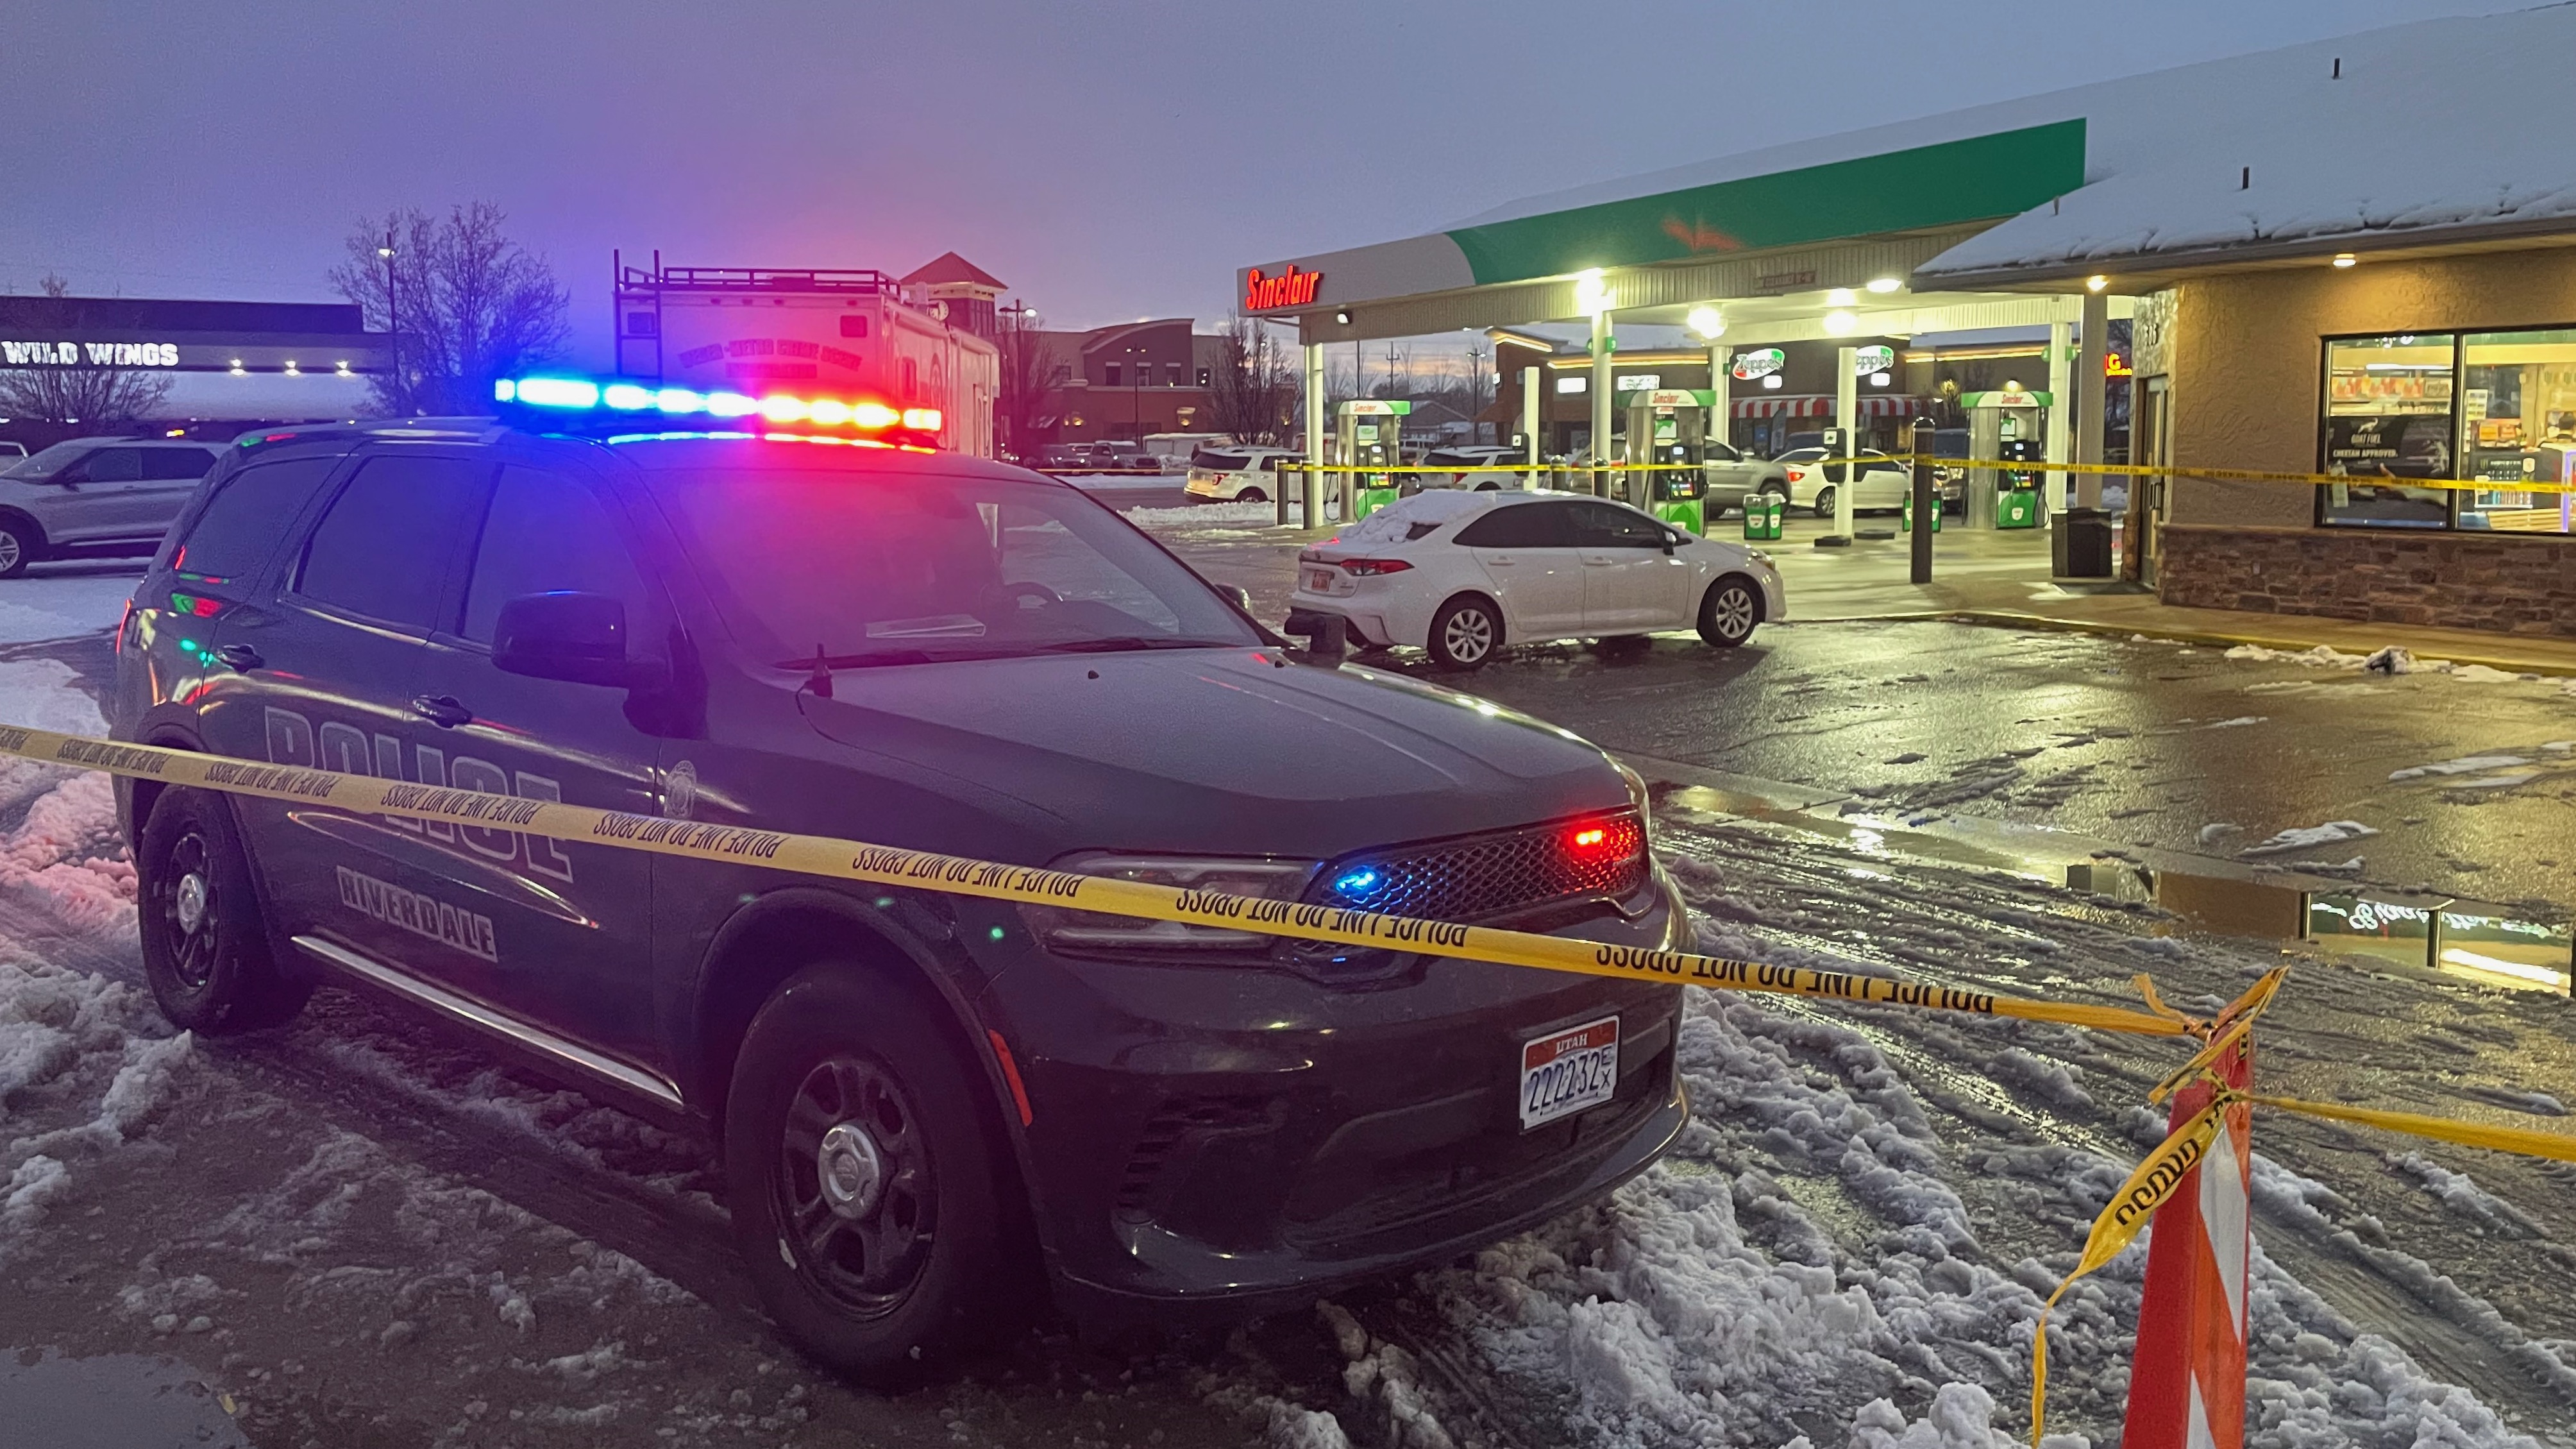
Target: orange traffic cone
[[2187, 1379]]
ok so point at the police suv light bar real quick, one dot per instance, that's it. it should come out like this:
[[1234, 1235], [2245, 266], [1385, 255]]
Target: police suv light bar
[[582, 395]]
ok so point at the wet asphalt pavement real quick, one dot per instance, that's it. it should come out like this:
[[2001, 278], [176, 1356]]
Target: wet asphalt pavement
[[2146, 743], [2137, 742]]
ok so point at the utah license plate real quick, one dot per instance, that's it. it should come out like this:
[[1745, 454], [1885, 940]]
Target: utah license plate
[[1319, 581], [1569, 1071]]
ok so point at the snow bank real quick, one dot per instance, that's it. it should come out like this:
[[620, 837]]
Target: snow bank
[[2309, 836], [2464, 765]]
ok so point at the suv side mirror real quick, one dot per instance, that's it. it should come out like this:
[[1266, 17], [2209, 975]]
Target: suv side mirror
[[576, 637]]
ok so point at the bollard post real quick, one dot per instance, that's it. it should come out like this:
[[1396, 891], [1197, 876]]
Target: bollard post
[[1926, 500]]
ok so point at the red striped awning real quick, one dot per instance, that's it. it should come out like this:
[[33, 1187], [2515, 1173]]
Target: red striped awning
[[1821, 405]]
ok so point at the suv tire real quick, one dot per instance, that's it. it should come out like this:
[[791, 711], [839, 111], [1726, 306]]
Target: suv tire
[[20, 545], [869, 1196], [205, 942], [1251, 495], [1728, 612], [1465, 633]]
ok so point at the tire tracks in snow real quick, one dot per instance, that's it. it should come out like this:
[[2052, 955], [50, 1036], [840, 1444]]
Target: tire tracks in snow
[[1801, 881]]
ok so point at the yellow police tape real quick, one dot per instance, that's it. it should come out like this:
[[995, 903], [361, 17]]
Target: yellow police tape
[[992, 880], [2011, 465], [2130, 1209], [2529, 1141]]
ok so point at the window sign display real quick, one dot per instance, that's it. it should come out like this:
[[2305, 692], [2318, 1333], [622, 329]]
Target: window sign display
[[2495, 407], [2389, 415]]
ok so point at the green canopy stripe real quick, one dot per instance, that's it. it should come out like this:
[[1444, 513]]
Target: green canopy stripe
[[2003, 174]]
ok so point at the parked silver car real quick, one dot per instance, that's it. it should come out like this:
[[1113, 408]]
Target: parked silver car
[[97, 496], [1734, 476]]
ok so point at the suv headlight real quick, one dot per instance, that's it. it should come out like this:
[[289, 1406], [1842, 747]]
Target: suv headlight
[[1093, 933]]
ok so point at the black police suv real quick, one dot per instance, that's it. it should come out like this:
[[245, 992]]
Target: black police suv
[[924, 1101]]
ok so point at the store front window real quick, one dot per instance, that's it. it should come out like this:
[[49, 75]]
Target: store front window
[[2389, 415], [2518, 425], [2495, 407]]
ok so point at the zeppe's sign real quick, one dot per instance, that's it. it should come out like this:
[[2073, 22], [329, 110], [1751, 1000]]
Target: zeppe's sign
[[1867, 360], [1760, 362]]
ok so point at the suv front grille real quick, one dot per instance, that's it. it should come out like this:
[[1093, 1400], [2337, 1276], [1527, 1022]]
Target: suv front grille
[[1479, 877]]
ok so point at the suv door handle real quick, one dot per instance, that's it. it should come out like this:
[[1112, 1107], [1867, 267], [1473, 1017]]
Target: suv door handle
[[442, 710], [239, 657]]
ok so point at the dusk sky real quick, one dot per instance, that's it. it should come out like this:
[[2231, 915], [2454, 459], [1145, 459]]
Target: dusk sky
[[1109, 160]]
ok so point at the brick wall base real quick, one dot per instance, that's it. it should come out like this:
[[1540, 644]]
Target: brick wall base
[[2502, 583]]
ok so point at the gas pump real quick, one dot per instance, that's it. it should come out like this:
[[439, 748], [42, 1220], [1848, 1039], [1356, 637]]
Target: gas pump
[[1370, 432], [1668, 432], [2006, 424]]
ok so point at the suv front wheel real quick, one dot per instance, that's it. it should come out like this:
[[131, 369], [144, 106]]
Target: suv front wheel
[[868, 1189], [205, 945]]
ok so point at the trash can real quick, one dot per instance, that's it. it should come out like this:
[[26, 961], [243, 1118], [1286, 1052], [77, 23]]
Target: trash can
[[1906, 522], [2081, 545], [1762, 515], [2017, 508]]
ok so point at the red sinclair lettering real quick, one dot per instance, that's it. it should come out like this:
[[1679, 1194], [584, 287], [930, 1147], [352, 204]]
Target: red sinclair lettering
[[1291, 288]]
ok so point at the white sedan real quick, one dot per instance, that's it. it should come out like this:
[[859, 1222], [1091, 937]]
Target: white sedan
[[1462, 574]]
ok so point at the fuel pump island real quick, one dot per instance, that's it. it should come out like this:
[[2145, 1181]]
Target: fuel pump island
[[1667, 446], [1369, 434]]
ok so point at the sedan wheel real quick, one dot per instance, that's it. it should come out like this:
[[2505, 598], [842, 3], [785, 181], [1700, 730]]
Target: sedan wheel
[[1465, 633], [17, 550], [1825, 501], [1729, 612]]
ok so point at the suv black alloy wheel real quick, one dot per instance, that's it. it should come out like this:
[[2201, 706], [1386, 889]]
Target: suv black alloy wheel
[[205, 945]]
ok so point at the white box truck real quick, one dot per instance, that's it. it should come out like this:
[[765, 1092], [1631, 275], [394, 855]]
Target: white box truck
[[841, 333]]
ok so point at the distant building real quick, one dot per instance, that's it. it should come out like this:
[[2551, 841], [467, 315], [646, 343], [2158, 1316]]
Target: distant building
[[1123, 382], [956, 291], [225, 360]]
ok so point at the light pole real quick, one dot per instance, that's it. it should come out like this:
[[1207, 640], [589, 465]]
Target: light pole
[[393, 329], [1135, 398]]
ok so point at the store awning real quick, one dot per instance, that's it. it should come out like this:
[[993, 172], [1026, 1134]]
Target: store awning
[[1821, 405]]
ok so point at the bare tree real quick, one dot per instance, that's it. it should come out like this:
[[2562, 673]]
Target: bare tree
[[1025, 376], [97, 397], [1254, 388], [464, 304]]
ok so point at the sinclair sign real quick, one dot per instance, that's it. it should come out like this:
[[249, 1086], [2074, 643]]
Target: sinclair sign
[[1291, 288]]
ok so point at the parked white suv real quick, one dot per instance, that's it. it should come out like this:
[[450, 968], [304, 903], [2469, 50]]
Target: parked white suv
[[1238, 475], [96, 496], [1477, 467], [1463, 574]]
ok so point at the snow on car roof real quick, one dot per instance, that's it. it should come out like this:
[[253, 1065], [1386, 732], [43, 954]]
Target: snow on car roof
[[1395, 520]]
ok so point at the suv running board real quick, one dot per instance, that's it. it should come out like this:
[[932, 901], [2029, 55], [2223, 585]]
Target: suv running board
[[475, 1014]]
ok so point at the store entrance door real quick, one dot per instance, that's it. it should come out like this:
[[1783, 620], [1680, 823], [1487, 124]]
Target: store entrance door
[[2150, 494]]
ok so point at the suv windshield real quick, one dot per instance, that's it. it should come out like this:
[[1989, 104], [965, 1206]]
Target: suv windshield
[[914, 569], [47, 463]]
